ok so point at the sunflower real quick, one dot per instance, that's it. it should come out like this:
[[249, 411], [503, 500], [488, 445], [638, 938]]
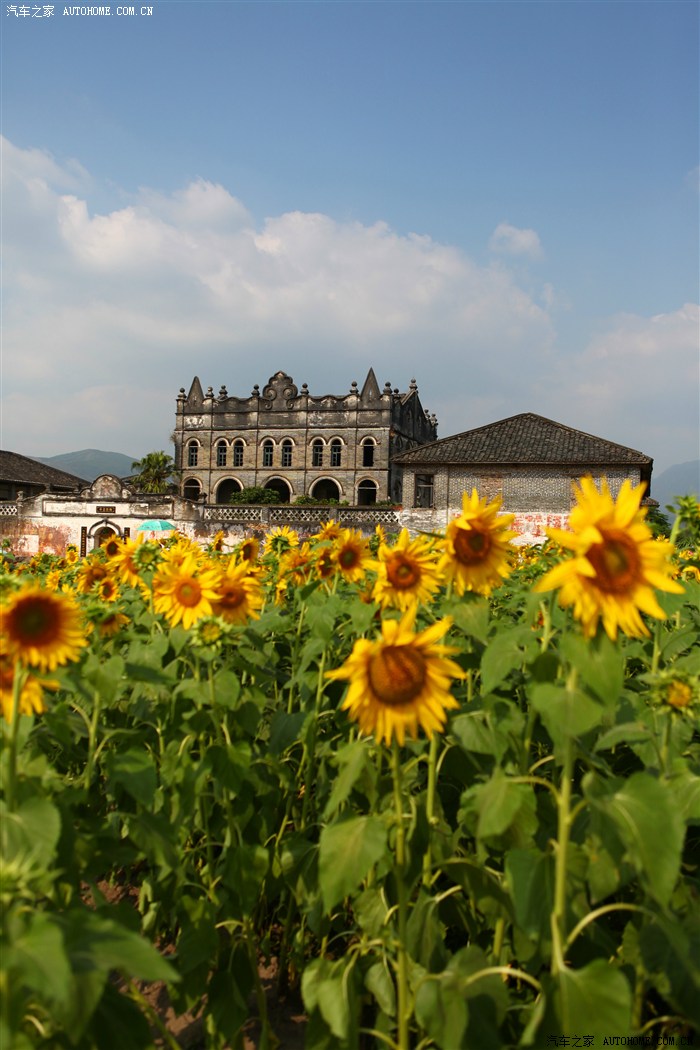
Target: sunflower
[[42, 628], [295, 565], [71, 556], [238, 594], [184, 592], [111, 623], [90, 573], [248, 550], [477, 546], [31, 692], [351, 554], [124, 563], [401, 681], [616, 562], [406, 573], [108, 589], [280, 539], [329, 530], [111, 546]]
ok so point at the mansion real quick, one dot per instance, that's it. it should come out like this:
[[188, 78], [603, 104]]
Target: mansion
[[336, 447]]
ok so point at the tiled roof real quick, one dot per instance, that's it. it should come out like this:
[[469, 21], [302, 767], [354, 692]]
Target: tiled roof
[[523, 439], [16, 468]]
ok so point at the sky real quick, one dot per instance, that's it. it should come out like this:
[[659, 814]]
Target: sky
[[500, 199]]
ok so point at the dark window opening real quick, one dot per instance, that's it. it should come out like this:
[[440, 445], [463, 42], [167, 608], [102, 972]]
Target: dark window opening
[[366, 493], [367, 453], [336, 453], [286, 453], [238, 454], [221, 454], [424, 490], [192, 454], [317, 454], [268, 448]]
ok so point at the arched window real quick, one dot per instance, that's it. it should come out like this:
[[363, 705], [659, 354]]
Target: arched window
[[268, 450], [317, 453], [192, 489], [368, 452], [238, 447], [336, 452], [366, 493], [221, 449], [287, 453], [192, 454]]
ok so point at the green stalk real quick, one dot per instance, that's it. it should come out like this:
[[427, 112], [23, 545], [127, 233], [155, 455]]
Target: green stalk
[[558, 918], [430, 809], [92, 738], [18, 680], [402, 904]]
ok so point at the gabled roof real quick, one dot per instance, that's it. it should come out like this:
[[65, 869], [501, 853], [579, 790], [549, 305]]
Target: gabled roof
[[18, 469], [524, 439]]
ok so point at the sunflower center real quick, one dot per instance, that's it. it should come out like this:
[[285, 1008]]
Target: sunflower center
[[348, 558], [188, 593], [232, 597], [616, 564], [402, 573], [397, 674], [471, 545], [35, 622]]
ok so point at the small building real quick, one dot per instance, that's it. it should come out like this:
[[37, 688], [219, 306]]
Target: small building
[[334, 447], [20, 474], [528, 460]]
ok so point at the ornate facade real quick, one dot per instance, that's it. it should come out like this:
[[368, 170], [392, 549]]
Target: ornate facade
[[333, 447]]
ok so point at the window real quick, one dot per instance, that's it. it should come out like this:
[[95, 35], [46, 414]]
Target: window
[[221, 454], [368, 453], [336, 452], [238, 447], [192, 489], [192, 454], [317, 453], [268, 448], [287, 453], [424, 490], [366, 493]]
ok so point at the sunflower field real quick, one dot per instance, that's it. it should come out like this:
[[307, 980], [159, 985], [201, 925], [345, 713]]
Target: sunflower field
[[450, 784]]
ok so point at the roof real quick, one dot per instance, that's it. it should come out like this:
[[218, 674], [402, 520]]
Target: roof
[[520, 440], [16, 468]]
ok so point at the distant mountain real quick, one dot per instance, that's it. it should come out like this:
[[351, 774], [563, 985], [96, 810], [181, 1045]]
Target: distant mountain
[[683, 479], [90, 463]]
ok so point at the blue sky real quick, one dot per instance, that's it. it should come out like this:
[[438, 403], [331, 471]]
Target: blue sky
[[498, 198]]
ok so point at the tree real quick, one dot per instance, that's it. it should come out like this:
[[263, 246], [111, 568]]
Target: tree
[[154, 472]]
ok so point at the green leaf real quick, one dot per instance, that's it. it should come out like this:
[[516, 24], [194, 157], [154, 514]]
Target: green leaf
[[378, 981], [506, 651], [244, 874], [498, 803], [672, 951], [351, 759], [599, 663], [39, 961], [347, 851], [94, 942], [647, 819], [285, 729], [135, 771], [425, 934], [566, 712], [530, 880], [593, 1001], [442, 1011], [33, 830]]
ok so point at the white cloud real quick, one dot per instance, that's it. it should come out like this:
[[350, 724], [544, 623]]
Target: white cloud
[[510, 240], [106, 316]]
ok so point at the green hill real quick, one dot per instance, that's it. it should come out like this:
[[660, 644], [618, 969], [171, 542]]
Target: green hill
[[89, 463]]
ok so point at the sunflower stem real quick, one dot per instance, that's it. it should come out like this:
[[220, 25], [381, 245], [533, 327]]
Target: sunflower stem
[[17, 685], [402, 901], [92, 739], [564, 821], [430, 809]]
